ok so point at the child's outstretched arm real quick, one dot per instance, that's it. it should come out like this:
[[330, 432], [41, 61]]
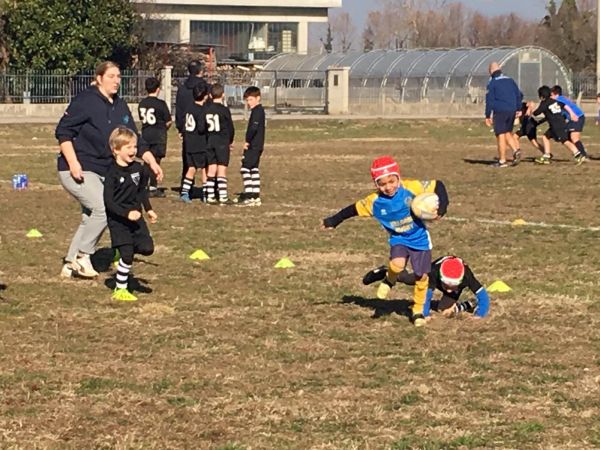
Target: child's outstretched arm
[[343, 214], [440, 191], [363, 208]]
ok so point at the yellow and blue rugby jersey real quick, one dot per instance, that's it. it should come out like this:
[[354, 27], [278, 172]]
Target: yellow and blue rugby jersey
[[419, 186], [394, 215]]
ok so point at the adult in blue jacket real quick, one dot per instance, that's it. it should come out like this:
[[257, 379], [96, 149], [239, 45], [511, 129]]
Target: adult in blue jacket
[[502, 104], [85, 157]]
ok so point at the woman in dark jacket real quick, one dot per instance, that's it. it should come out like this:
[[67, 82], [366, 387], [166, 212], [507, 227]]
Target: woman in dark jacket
[[85, 157]]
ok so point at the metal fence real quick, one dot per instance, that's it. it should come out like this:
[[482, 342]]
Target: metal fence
[[282, 91], [46, 86], [584, 85]]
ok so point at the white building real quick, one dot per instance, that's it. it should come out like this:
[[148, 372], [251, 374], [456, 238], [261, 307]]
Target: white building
[[239, 30]]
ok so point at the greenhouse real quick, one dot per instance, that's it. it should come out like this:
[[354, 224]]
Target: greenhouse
[[385, 78]]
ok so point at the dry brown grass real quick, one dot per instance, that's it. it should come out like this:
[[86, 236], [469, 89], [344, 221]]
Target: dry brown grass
[[231, 353]]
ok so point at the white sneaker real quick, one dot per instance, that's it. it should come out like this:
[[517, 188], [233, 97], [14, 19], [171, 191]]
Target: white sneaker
[[67, 271], [84, 268]]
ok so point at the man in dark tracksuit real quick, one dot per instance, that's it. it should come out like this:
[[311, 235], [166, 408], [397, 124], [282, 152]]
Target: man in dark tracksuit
[[183, 102], [502, 101]]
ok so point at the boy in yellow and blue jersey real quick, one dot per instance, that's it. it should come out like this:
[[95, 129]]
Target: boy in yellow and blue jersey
[[408, 236]]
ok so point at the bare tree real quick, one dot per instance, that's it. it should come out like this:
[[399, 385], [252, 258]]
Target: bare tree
[[343, 30]]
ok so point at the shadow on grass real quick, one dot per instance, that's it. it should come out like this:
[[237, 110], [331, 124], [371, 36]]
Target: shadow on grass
[[134, 285], [531, 159], [102, 259], [380, 307]]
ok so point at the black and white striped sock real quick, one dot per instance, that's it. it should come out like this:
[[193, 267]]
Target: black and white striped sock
[[186, 185], [222, 183], [247, 180], [122, 274], [210, 188], [255, 173]]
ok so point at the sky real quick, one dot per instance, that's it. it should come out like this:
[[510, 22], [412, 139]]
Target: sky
[[527, 9]]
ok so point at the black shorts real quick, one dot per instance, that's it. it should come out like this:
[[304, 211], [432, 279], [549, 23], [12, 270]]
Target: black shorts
[[528, 128], [503, 122], [197, 160], [158, 150], [126, 232], [559, 134], [220, 155], [576, 127], [251, 158]]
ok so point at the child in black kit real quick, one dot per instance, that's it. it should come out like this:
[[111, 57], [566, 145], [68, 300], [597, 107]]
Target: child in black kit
[[220, 133], [125, 192], [156, 120], [253, 148], [195, 143]]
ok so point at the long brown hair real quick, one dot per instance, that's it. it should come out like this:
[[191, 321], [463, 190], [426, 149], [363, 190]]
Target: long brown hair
[[104, 66]]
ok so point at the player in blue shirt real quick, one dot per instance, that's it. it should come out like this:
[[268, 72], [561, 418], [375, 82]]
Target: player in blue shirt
[[408, 236], [575, 118]]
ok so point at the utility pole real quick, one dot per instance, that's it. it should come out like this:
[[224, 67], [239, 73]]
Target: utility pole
[[598, 47]]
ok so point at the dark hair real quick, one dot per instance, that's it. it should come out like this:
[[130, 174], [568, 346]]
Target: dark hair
[[544, 92], [556, 89], [195, 67], [199, 92], [217, 90], [152, 84], [252, 91]]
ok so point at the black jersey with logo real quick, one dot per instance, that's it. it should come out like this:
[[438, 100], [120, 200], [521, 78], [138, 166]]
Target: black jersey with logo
[[154, 115], [126, 189], [553, 112], [219, 125], [194, 134]]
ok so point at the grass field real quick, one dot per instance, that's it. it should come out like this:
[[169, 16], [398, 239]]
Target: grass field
[[231, 353]]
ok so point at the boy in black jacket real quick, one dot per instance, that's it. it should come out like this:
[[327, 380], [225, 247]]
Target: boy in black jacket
[[125, 192], [156, 120], [253, 148]]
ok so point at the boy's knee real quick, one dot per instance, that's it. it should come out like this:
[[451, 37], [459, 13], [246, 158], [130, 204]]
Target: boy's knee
[[397, 264], [146, 248]]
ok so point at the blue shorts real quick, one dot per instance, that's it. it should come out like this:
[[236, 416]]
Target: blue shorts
[[576, 126], [504, 122], [420, 260]]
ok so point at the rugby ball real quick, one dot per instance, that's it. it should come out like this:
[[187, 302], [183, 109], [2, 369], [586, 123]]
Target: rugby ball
[[425, 206]]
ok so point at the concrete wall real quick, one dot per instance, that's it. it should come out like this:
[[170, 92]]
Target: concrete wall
[[19, 113]]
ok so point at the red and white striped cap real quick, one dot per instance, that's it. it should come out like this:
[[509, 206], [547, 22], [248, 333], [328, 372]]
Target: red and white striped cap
[[452, 271], [383, 166]]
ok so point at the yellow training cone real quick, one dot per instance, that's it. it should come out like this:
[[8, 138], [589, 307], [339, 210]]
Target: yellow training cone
[[284, 263], [519, 222], [499, 286], [34, 233], [199, 255]]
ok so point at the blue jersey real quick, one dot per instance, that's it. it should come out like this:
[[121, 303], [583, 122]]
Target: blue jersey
[[571, 104], [394, 215]]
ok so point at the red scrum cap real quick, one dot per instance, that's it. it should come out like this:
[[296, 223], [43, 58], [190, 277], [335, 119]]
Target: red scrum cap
[[383, 166], [452, 271]]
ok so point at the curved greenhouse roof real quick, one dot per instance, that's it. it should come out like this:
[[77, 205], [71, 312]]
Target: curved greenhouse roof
[[421, 74]]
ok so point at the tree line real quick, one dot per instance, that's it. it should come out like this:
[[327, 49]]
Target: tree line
[[75, 34], [567, 29]]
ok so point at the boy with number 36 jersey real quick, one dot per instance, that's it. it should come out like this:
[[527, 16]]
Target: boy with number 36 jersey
[[156, 120]]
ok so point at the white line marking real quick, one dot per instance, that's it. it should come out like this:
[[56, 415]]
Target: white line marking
[[525, 224]]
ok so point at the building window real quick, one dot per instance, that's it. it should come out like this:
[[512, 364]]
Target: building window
[[161, 31], [245, 41]]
